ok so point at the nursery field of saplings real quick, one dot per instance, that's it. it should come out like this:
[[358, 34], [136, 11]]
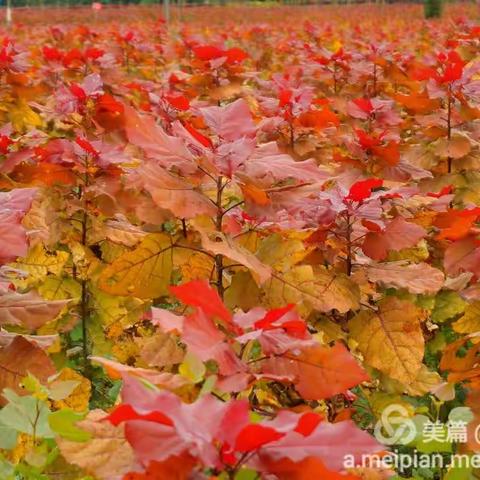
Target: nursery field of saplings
[[243, 245]]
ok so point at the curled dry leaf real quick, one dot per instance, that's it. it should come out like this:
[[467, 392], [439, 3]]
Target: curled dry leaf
[[162, 379], [28, 310]]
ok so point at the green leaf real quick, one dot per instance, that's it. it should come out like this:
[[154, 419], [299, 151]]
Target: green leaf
[[63, 422], [192, 368], [7, 470], [8, 438], [447, 305], [246, 474], [26, 414], [459, 472]]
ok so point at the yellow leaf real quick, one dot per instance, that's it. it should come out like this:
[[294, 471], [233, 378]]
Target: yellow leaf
[[243, 292], [456, 147], [282, 253], [426, 381], [23, 116], [192, 368], [143, 272], [470, 321], [80, 396], [391, 338], [312, 289], [159, 350], [221, 244], [194, 266], [39, 263]]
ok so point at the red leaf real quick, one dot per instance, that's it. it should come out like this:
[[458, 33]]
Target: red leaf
[[86, 146], [398, 234], [364, 104], [307, 469], [124, 413], [456, 224], [319, 372], [235, 55], [205, 141], [254, 436], [207, 52], [307, 423], [284, 97], [272, 319], [447, 190], [177, 467], [363, 189], [179, 102], [78, 92], [198, 293]]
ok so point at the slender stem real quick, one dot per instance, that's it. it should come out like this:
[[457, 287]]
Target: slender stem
[[84, 314], [84, 299], [218, 224], [335, 86], [449, 126], [348, 237]]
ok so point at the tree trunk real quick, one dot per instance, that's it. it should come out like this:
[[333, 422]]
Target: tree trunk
[[433, 8]]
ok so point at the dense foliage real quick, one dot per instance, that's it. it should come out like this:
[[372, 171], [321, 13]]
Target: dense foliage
[[228, 246]]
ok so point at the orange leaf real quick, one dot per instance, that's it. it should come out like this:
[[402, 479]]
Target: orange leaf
[[174, 468], [308, 469]]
